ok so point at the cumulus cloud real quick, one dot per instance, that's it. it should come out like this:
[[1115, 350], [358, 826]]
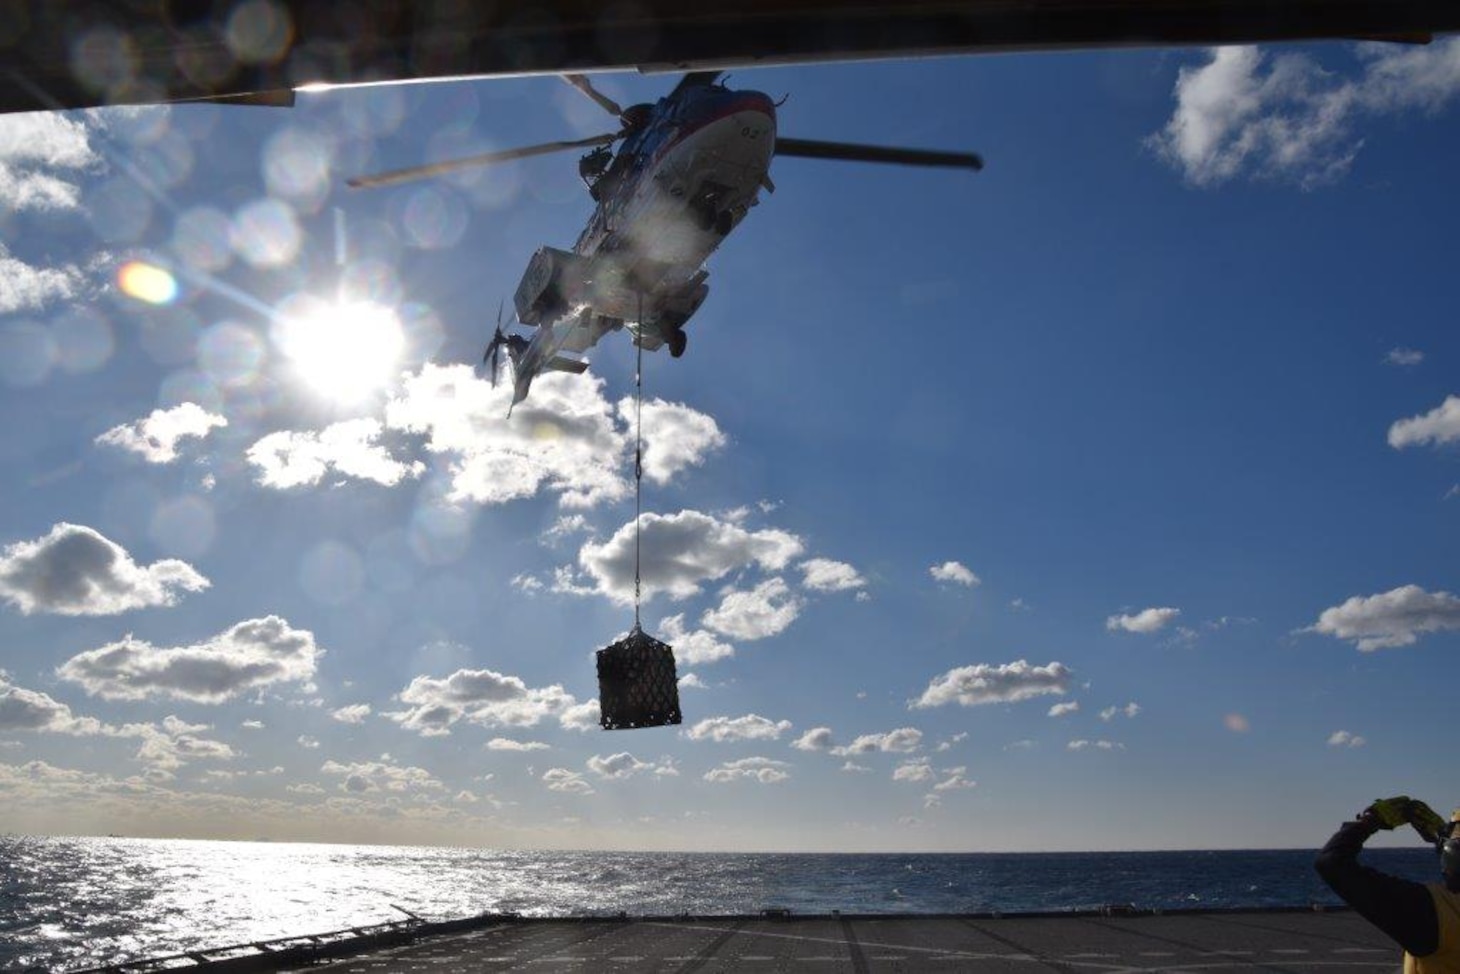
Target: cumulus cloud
[[956, 779], [1101, 745], [1404, 356], [353, 714], [568, 782], [764, 611], [25, 287], [947, 745], [675, 437], [375, 776], [903, 740], [583, 716], [1064, 709], [764, 770], [351, 448], [692, 681], [155, 437], [1246, 112], [1342, 738], [1006, 683], [508, 744], [250, 655], [482, 697], [40, 153], [825, 575], [852, 767], [913, 771], [751, 727], [816, 739], [954, 572], [31, 710], [680, 553], [74, 570], [175, 744], [616, 766], [693, 648], [1145, 621], [1390, 619], [562, 440], [1439, 426], [1129, 710]]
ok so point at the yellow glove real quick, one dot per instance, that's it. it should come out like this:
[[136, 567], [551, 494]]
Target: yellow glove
[[1429, 825], [1390, 813]]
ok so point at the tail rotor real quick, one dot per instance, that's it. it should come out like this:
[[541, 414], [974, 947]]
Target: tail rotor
[[492, 357]]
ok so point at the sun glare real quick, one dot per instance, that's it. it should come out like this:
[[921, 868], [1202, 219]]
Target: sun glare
[[344, 351]]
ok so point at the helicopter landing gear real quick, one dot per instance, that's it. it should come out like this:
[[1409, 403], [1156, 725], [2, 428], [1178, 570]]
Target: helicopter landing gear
[[677, 340]]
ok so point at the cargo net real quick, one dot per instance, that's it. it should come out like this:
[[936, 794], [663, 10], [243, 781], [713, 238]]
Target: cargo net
[[637, 685]]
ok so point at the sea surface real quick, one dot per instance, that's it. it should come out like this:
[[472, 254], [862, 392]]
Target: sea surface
[[67, 903]]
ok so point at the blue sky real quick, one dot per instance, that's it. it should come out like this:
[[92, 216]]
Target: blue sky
[[1115, 485]]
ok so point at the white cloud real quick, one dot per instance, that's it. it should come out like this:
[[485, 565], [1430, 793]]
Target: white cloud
[[816, 739], [175, 744], [1390, 619], [1101, 745], [563, 439], [764, 611], [1005, 683], [252, 654], [1064, 709], [913, 771], [947, 745], [1404, 356], [825, 575], [1342, 738], [252, 725], [350, 448], [568, 782], [508, 744], [764, 770], [616, 766], [34, 141], [1440, 425], [956, 780], [1246, 112], [24, 287], [307, 742], [751, 727], [692, 681], [526, 584], [155, 437], [693, 648], [852, 767], [1130, 710], [31, 710], [675, 437], [903, 740], [74, 570], [353, 714], [1145, 621], [483, 697], [383, 775], [564, 526], [585, 716], [680, 553], [954, 571]]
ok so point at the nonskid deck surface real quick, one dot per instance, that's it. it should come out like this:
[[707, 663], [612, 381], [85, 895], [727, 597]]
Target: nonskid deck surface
[[1197, 942]]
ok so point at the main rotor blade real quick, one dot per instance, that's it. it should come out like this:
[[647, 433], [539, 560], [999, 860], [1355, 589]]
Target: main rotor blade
[[812, 149], [485, 159], [582, 83]]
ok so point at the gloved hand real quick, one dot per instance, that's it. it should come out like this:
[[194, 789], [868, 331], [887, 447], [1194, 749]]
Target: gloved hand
[[1429, 825], [1390, 813]]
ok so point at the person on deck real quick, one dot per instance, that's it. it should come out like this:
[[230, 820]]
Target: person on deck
[[1423, 918]]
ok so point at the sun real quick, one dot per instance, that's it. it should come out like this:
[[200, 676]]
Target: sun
[[344, 351]]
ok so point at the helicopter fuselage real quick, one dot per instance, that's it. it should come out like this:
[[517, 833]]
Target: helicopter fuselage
[[678, 185]]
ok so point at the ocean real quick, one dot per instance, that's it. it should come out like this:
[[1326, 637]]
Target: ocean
[[67, 903]]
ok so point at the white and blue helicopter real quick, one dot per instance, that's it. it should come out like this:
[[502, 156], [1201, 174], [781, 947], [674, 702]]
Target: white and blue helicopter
[[688, 169]]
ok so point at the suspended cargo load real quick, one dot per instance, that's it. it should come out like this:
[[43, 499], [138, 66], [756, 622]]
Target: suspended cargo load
[[637, 683]]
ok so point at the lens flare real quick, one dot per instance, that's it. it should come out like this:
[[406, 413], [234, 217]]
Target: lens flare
[[343, 351], [147, 282]]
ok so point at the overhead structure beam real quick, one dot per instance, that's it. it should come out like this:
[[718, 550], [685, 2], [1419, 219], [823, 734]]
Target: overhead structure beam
[[70, 54]]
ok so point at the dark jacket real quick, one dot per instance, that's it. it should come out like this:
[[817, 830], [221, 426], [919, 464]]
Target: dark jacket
[[1401, 908]]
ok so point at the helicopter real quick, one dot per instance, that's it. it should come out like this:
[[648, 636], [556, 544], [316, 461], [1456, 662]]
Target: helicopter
[[687, 171]]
